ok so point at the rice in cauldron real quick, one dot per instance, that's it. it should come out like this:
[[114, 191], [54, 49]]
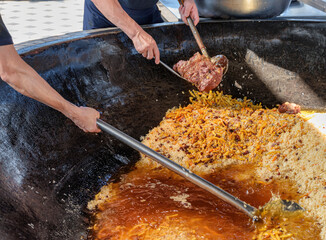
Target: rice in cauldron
[[209, 136]]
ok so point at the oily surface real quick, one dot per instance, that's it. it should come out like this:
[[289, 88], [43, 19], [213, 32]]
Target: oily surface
[[161, 205]]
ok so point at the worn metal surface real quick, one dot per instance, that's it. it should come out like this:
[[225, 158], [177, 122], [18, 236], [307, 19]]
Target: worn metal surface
[[49, 168]]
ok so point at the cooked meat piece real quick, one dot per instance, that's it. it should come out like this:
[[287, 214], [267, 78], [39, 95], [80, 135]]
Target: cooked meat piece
[[291, 108], [200, 71]]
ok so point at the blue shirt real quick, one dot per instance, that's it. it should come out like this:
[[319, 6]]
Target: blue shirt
[[142, 11], [5, 38], [138, 4]]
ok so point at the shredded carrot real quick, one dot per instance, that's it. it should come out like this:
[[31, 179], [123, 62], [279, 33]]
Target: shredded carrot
[[216, 127]]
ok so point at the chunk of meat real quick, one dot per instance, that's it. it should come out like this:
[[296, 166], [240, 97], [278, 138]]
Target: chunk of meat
[[200, 71], [291, 108]]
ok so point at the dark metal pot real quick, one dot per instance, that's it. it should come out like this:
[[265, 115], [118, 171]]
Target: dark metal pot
[[241, 8], [49, 169]]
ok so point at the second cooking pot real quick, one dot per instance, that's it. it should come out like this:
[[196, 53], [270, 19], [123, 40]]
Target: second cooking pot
[[241, 8]]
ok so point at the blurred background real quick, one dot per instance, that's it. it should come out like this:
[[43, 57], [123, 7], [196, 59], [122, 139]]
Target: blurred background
[[30, 20], [37, 19]]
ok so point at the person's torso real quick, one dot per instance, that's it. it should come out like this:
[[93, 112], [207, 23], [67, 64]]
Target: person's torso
[[5, 38], [138, 4]]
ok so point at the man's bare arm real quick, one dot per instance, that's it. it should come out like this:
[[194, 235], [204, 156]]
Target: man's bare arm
[[142, 41], [23, 78]]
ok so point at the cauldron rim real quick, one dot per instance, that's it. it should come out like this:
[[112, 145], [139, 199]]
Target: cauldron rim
[[29, 47]]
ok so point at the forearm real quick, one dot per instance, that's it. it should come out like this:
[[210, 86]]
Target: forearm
[[143, 42], [113, 11], [25, 80]]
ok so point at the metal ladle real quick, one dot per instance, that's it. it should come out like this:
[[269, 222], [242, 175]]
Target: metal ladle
[[185, 173], [172, 70], [219, 60]]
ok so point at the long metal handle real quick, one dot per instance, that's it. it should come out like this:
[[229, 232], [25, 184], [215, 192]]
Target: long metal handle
[[204, 184], [171, 70]]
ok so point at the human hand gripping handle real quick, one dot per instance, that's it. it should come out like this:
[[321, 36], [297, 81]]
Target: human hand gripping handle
[[189, 21], [146, 45], [188, 9], [143, 42], [85, 118]]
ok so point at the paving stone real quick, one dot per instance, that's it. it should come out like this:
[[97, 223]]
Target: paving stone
[[36, 19]]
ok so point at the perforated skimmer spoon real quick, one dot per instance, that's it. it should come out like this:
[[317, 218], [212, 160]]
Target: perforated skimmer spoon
[[219, 60], [185, 173]]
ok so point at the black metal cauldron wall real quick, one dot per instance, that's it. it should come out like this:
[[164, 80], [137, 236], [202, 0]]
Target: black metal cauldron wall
[[49, 169]]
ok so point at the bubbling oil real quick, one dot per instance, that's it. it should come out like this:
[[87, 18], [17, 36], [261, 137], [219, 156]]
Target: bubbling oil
[[162, 205]]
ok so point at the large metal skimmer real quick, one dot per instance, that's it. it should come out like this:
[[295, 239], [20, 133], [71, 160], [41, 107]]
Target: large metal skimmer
[[185, 173], [219, 60]]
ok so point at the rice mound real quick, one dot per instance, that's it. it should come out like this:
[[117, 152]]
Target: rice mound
[[216, 131]]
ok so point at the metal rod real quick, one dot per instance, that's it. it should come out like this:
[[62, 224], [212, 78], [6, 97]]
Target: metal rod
[[197, 180], [171, 70]]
